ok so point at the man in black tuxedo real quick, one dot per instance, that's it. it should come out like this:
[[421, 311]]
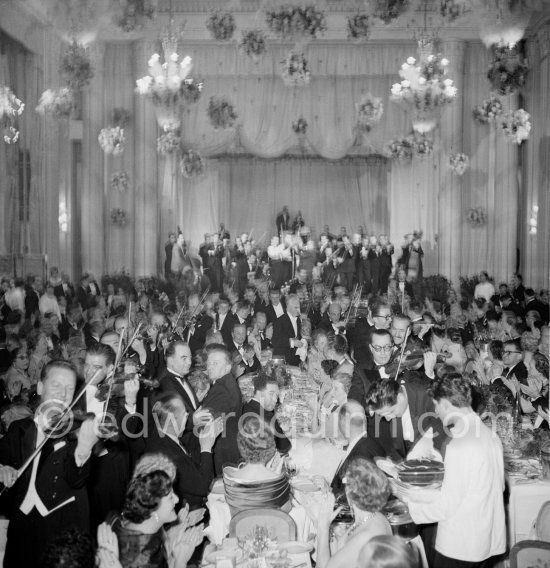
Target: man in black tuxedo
[[178, 363], [287, 332], [403, 413], [352, 422], [266, 395], [260, 321], [381, 348], [277, 306], [82, 293], [224, 321], [240, 346], [223, 400], [193, 478], [331, 321], [71, 323], [203, 322], [110, 464], [531, 303], [283, 221], [168, 247], [32, 296], [50, 495], [515, 373], [379, 317]]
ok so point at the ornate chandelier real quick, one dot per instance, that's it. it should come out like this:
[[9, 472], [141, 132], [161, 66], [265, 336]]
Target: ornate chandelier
[[425, 88]]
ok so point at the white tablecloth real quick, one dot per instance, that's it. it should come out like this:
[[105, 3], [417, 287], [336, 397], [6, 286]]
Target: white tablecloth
[[526, 499]]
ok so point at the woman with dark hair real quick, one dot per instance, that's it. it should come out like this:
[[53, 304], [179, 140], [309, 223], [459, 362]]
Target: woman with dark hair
[[256, 443], [150, 505], [387, 552], [367, 491]]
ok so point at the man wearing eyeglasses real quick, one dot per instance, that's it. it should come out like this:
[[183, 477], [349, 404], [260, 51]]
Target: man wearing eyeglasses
[[379, 317], [381, 348], [515, 372]]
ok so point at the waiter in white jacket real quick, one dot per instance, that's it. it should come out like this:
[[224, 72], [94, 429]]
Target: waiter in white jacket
[[469, 509]]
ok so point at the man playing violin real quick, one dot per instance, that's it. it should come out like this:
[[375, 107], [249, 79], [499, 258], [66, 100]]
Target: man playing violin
[[379, 317], [50, 494]]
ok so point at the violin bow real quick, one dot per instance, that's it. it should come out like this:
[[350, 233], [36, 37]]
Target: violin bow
[[360, 293], [402, 352], [351, 305], [48, 436]]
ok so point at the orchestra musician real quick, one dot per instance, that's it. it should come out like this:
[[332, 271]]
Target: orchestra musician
[[282, 221], [347, 259]]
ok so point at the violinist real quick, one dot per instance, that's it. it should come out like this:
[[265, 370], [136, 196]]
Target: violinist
[[378, 317], [50, 495], [197, 323], [110, 463], [381, 348], [332, 321], [386, 263]]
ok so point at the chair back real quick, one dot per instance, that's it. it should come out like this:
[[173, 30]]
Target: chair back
[[530, 554], [542, 525], [279, 526]]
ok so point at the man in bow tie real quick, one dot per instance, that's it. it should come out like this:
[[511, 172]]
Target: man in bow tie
[[287, 332], [381, 348]]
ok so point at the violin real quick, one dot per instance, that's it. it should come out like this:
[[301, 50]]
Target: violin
[[411, 358], [67, 425], [115, 385]]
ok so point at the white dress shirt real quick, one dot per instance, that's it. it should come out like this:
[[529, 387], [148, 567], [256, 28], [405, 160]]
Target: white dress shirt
[[279, 310], [470, 506], [407, 425], [186, 387]]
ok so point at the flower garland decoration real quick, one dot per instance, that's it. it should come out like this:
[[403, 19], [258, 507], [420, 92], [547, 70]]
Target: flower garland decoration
[[295, 70], [401, 148], [476, 217], [221, 25], [169, 87], [292, 21], [516, 125], [111, 140], [221, 113], [253, 44], [58, 104], [120, 181], [424, 89], [119, 217], [299, 126], [121, 117], [169, 141], [135, 13], [489, 110], [369, 111], [359, 27], [507, 72], [76, 66], [192, 164], [390, 10], [458, 163], [451, 10], [10, 108], [423, 145]]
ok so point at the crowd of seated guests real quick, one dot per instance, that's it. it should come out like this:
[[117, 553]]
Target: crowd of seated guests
[[177, 355]]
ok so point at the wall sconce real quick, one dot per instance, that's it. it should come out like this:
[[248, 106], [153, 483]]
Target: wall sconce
[[533, 220], [63, 219]]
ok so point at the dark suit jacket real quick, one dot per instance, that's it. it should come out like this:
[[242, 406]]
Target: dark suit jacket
[[281, 441], [421, 407], [270, 312], [224, 399], [367, 448], [226, 328], [283, 331], [168, 382], [283, 223], [203, 325], [193, 479], [58, 479], [32, 299], [361, 381], [537, 305]]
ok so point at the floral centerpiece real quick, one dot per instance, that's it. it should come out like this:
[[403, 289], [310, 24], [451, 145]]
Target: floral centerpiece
[[489, 110], [295, 70], [120, 181], [369, 111], [192, 164], [458, 163], [401, 148], [294, 21], [111, 140], [58, 104], [299, 126], [516, 125], [424, 90], [451, 10], [10, 108], [476, 216], [76, 66], [389, 10], [221, 25], [253, 44], [507, 72], [169, 87], [358, 26], [221, 113], [169, 141], [135, 13], [119, 217]]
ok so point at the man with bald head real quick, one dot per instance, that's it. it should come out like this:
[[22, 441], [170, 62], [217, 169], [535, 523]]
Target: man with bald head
[[287, 332], [352, 422]]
